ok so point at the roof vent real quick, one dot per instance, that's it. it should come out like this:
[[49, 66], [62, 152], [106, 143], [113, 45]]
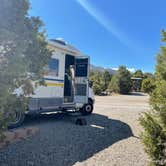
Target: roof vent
[[59, 40]]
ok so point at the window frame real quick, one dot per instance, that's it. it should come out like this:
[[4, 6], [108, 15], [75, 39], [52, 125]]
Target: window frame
[[51, 70]]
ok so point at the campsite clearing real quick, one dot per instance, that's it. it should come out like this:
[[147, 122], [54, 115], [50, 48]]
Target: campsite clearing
[[111, 137]]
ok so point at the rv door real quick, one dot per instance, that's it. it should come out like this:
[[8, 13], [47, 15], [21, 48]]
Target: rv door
[[81, 79]]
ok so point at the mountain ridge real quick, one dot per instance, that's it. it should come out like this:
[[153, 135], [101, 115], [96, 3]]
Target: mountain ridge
[[102, 69]]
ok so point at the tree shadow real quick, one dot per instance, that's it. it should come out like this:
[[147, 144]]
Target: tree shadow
[[61, 142]]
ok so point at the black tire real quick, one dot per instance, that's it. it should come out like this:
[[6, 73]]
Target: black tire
[[87, 109], [17, 120]]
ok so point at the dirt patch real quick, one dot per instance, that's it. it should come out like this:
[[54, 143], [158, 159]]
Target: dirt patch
[[13, 136]]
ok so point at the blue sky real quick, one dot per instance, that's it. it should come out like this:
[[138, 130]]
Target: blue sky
[[111, 32]]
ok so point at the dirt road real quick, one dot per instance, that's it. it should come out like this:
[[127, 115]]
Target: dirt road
[[110, 138]]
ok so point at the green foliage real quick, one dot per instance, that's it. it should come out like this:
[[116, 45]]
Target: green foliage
[[114, 85], [148, 75], [121, 82], [23, 50], [106, 79], [148, 85], [153, 139], [138, 74], [124, 78], [98, 82], [154, 122], [138, 83], [160, 67]]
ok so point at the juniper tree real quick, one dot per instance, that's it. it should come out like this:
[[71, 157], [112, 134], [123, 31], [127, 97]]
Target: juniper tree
[[106, 79], [98, 82], [121, 81], [138, 74], [154, 122], [148, 85], [23, 53]]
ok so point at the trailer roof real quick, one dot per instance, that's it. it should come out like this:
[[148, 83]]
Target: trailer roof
[[61, 44]]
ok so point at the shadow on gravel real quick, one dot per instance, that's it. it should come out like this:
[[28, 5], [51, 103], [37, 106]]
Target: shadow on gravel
[[62, 143]]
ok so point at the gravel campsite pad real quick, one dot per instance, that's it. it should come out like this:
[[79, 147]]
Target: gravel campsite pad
[[110, 138]]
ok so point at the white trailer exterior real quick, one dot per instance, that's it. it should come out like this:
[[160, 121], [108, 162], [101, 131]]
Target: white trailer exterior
[[67, 85]]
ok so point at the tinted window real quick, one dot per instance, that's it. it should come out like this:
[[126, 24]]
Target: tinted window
[[53, 67], [81, 70], [81, 67]]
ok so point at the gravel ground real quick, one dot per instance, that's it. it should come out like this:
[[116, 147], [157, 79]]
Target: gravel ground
[[110, 138]]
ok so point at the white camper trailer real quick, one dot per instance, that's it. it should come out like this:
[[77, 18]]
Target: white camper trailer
[[67, 86]]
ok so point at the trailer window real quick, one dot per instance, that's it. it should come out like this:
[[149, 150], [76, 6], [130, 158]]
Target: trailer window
[[81, 67], [53, 66]]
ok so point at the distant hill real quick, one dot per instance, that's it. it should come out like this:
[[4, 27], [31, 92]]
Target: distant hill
[[102, 69]]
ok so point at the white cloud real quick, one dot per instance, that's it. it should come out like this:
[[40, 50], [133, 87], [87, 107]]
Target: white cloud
[[132, 70], [114, 68]]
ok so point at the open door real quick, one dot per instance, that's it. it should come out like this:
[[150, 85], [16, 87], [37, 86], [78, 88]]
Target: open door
[[81, 79], [69, 82]]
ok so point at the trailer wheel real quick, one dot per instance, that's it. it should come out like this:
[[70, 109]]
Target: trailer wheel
[[87, 109], [17, 119]]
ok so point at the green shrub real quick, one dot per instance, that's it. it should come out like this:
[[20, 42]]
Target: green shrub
[[148, 85], [114, 85], [154, 122], [98, 82], [121, 81], [138, 74], [106, 80]]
